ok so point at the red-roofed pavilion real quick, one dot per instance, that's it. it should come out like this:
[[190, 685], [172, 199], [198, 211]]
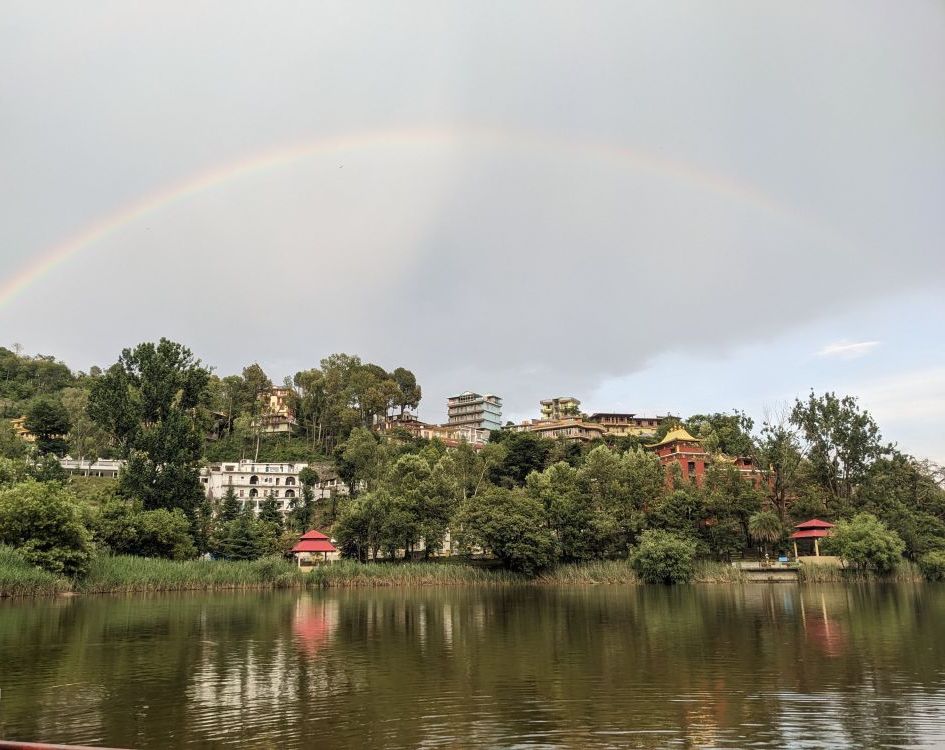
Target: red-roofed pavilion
[[314, 547], [814, 529]]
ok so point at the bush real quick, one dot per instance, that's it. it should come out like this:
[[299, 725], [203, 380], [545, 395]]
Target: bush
[[932, 565], [663, 557], [43, 521], [126, 529], [864, 543]]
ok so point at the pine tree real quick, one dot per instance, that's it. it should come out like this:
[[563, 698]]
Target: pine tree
[[269, 511], [230, 508]]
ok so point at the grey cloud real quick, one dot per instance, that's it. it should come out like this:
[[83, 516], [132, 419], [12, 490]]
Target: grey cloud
[[493, 264]]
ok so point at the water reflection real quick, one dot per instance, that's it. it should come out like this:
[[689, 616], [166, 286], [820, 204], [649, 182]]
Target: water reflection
[[766, 666]]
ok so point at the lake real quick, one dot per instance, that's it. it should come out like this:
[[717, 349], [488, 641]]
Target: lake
[[761, 666]]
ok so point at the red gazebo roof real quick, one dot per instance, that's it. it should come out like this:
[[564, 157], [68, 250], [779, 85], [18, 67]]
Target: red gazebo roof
[[812, 529], [814, 523], [810, 534], [314, 545], [312, 534]]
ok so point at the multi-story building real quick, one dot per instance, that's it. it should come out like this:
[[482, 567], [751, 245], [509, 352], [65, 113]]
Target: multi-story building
[[253, 481], [451, 435], [681, 448], [560, 407], [276, 415], [481, 412], [574, 429], [623, 425]]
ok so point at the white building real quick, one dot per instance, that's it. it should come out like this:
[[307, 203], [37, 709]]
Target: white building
[[253, 481], [103, 467]]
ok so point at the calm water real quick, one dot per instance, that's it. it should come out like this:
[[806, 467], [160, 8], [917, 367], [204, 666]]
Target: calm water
[[756, 666]]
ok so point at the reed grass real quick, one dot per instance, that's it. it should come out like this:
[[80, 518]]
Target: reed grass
[[19, 578], [590, 573], [127, 574], [905, 571], [124, 573]]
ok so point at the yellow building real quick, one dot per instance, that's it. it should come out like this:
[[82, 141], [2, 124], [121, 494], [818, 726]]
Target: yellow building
[[21, 430], [624, 425], [560, 407]]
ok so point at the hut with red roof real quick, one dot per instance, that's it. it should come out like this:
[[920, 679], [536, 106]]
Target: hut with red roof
[[814, 529], [313, 548]]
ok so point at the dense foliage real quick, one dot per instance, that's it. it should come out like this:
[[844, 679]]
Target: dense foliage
[[664, 557], [523, 500]]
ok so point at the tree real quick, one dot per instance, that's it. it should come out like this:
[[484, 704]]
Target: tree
[[729, 434], [361, 459], [864, 543], [512, 526], [778, 458], [525, 452], [87, 440], [44, 522], [932, 565], [582, 528], [408, 392], [269, 511], [11, 446], [152, 404], [765, 527], [905, 494], [244, 538], [842, 441], [663, 557], [126, 529], [230, 506], [48, 419], [361, 528]]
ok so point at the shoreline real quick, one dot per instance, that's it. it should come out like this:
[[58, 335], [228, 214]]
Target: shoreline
[[131, 575]]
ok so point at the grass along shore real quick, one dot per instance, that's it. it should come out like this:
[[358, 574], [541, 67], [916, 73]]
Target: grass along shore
[[126, 574]]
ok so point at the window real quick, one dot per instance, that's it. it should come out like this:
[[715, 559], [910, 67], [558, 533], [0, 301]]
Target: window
[[254, 479], [692, 468], [254, 492], [290, 480], [290, 493], [241, 493]]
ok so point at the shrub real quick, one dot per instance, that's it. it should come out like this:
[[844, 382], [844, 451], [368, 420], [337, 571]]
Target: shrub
[[663, 557], [932, 565], [43, 521], [864, 543], [126, 529]]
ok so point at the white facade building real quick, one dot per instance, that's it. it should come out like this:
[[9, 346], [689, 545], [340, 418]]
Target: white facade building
[[253, 481], [103, 467]]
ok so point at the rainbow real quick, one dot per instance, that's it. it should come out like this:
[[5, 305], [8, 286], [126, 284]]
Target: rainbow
[[544, 143]]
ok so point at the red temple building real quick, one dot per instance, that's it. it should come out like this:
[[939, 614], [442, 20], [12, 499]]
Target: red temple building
[[680, 447]]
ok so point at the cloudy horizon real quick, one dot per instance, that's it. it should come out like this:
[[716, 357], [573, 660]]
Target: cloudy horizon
[[653, 207]]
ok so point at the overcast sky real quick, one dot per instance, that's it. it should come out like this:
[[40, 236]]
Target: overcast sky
[[680, 207]]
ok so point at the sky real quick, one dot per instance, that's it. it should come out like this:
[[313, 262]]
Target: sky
[[671, 207]]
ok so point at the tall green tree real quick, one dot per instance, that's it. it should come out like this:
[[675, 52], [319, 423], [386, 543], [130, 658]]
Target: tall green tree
[[152, 403], [48, 420], [842, 440]]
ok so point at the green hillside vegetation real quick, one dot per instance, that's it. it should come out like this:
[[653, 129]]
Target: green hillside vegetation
[[530, 505]]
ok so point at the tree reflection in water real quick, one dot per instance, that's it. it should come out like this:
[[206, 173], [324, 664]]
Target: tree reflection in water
[[771, 666]]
